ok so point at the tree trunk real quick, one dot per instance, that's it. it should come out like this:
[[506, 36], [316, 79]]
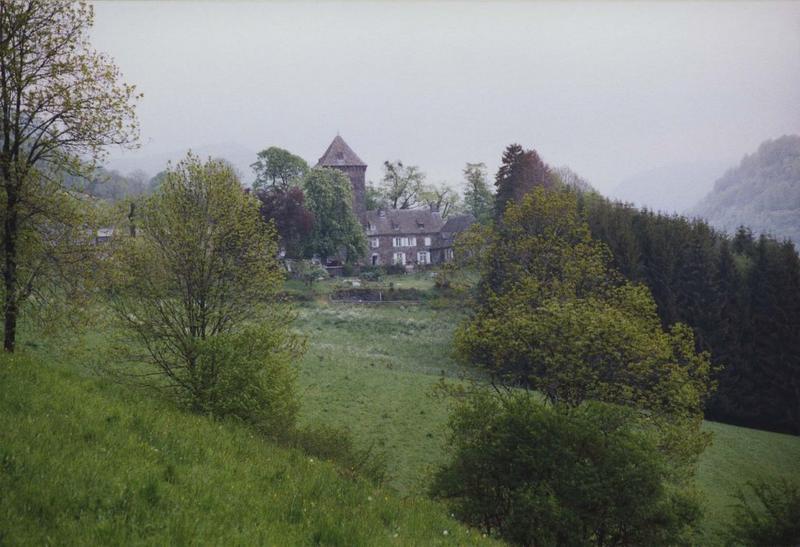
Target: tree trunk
[[11, 304]]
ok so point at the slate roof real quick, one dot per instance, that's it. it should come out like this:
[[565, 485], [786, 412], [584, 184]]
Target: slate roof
[[403, 221], [458, 223], [339, 154]]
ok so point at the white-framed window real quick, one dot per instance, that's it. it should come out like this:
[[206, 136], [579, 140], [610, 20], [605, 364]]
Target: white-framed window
[[427, 241], [375, 242], [423, 257], [448, 254], [399, 258], [404, 242]]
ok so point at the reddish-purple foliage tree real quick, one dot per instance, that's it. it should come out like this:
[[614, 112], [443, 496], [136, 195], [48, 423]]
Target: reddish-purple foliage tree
[[293, 221], [519, 172]]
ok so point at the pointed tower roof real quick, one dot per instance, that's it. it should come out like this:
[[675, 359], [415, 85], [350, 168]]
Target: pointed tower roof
[[339, 154]]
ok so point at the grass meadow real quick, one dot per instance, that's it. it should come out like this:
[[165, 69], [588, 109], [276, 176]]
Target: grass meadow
[[374, 369], [85, 459]]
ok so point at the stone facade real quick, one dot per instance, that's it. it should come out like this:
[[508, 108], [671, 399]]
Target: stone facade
[[402, 237], [341, 157], [408, 237]]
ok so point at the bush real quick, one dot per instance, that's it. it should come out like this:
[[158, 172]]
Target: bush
[[308, 271], [773, 520], [336, 445], [372, 273], [540, 475], [395, 269], [246, 375]]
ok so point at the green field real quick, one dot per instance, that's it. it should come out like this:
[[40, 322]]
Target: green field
[[85, 459], [374, 369]]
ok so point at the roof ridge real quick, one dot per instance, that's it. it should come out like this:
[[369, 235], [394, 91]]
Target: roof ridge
[[339, 153]]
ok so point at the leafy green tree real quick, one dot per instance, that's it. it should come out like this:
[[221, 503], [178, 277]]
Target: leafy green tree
[[770, 518], [60, 100], [374, 198], [336, 230], [196, 288], [402, 185], [520, 171], [278, 168], [554, 315], [478, 198], [534, 474]]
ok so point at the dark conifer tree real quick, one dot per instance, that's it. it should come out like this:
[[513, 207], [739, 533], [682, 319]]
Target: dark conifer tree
[[519, 171]]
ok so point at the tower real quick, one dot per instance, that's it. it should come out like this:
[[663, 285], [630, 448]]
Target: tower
[[340, 156]]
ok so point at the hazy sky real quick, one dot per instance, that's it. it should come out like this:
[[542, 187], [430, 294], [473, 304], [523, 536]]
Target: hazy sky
[[610, 89]]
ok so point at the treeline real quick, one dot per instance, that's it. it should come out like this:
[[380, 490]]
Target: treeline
[[740, 295]]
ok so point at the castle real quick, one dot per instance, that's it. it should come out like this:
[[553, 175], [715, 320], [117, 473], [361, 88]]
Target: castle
[[405, 237]]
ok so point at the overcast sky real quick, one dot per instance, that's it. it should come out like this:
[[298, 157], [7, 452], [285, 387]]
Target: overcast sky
[[610, 89]]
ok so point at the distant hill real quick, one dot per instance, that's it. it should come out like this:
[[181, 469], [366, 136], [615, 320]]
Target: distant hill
[[237, 155], [763, 192], [672, 188]]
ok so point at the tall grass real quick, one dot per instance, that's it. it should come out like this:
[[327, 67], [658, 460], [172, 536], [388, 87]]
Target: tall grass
[[84, 461]]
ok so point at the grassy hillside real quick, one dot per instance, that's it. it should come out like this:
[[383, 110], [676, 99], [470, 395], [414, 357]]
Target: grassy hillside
[[374, 369], [84, 461]]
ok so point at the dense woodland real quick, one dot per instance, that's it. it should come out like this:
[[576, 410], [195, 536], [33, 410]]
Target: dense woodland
[[741, 296]]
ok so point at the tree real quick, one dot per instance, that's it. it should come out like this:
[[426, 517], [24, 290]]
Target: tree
[[555, 316], [336, 231], [771, 520], [279, 168], [196, 288], [519, 172], [293, 221], [478, 198], [739, 295], [374, 198], [60, 100], [571, 179], [402, 185], [543, 475], [441, 198]]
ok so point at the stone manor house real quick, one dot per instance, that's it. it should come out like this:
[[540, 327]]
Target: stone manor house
[[406, 237]]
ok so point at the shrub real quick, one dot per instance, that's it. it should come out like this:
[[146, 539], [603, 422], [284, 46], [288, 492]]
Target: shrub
[[189, 288], [336, 445], [246, 375], [542, 475], [395, 269], [372, 273], [308, 271], [774, 519]]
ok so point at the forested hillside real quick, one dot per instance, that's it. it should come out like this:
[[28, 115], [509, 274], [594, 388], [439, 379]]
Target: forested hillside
[[740, 295], [763, 192]]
